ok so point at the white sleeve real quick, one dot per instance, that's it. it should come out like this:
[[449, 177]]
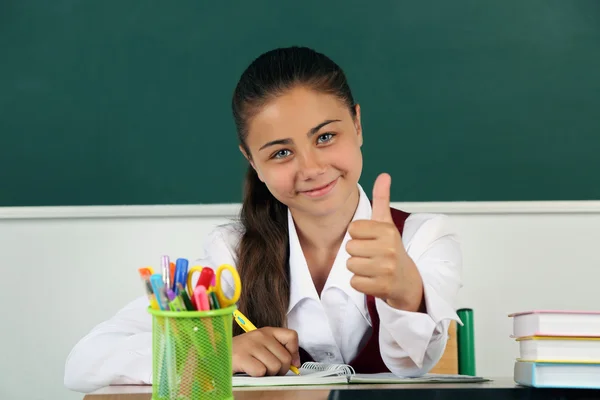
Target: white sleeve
[[119, 350], [220, 247], [411, 343]]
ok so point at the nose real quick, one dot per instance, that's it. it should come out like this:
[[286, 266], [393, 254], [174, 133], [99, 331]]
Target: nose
[[310, 166]]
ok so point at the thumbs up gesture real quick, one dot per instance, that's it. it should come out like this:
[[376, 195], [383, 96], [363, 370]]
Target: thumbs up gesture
[[380, 264]]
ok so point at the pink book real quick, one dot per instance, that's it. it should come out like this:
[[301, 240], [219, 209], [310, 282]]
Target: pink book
[[556, 323]]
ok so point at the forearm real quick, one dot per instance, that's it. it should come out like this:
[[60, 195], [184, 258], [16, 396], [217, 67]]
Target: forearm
[[411, 343], [413, 298], [116, 351]]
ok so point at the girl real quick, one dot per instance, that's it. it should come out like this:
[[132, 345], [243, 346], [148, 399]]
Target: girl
[[326, 274]]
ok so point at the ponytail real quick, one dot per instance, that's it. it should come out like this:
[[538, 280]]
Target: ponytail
[[262, 259]]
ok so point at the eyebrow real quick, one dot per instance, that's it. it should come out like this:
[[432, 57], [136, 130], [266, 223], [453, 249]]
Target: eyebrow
[[310, 133]]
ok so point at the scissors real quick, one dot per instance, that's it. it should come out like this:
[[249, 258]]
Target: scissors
[[205, 278]]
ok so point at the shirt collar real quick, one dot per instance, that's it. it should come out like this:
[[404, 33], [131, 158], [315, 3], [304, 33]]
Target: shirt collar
[[301, 284]]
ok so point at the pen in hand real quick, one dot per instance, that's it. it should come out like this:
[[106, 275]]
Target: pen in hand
[[247, 326]]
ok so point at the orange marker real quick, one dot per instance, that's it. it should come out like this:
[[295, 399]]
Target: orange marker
[[172, 273]]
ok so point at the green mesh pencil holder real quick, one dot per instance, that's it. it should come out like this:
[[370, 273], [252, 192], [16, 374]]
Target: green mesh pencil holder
[[191, 354]]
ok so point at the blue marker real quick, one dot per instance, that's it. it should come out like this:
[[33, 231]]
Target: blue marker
[[158, 286], [181, 271]]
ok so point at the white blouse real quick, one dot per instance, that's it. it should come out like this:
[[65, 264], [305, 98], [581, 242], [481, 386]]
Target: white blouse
[[332, 329]]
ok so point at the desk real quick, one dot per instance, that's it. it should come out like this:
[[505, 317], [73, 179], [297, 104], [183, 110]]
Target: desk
[[498, 388]]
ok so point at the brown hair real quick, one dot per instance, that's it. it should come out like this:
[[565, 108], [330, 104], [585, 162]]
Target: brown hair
[[263, 251]]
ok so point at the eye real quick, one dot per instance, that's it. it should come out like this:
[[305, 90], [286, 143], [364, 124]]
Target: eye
[[326, 137], [281, 154]]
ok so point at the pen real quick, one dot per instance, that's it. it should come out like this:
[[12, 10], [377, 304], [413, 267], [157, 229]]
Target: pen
[[158, 287], [145, 274], [166, 271], [248, 326]]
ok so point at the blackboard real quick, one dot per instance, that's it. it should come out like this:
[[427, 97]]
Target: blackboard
[[128, 102]]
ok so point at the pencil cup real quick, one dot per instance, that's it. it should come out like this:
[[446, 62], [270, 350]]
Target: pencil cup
[[191, 354]]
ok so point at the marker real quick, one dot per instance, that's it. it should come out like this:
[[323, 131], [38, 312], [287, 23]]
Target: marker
[[171, 273], [181, 270], [186, 299], [248, 326], [201, 298], [171, 294], [206, 277], [158, 287], [175, 304], [214, 301], [145, 274]]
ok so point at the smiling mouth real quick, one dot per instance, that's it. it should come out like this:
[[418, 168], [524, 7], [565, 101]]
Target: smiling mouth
[[321, 190]]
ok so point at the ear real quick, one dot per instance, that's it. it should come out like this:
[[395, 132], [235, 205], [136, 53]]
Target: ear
[[358, 125], [247, 157]]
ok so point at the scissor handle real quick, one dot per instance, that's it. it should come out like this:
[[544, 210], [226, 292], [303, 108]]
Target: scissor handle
[[237, 286], [191, 271]]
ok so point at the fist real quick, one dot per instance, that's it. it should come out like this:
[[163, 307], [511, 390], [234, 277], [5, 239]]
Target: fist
[[265, 351], [380, 264]]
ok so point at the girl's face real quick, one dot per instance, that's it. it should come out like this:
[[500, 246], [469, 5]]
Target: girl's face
[[305, 146]]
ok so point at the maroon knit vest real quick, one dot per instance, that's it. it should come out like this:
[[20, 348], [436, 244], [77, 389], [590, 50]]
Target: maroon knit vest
[[368, 360]]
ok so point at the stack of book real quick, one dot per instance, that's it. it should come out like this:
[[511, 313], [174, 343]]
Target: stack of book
[[558, 349]]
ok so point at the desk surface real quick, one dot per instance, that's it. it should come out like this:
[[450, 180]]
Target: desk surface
[[497, 388]]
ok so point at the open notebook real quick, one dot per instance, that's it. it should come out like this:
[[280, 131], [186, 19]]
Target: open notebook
[[312, 373]]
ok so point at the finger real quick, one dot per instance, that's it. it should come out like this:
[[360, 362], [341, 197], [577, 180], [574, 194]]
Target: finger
[[361, 266], [289, 339], [371, 267], [370, 248], [267, 358], [282, 354], [369, 285], [369, 229], [381, 199], [251, 366]]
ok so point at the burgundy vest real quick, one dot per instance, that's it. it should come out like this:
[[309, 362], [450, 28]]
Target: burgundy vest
[[368, 360]]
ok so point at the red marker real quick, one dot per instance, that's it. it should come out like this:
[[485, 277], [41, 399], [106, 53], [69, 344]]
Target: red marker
[[206, 277]]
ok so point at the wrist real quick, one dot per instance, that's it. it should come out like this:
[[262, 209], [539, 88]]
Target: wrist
[[412, 304], [412, 296]]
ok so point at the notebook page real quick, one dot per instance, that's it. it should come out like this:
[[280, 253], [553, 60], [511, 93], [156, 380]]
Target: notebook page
[[311, 373]]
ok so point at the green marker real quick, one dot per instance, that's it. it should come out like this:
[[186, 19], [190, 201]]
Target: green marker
[[186, 299], [214, 302]]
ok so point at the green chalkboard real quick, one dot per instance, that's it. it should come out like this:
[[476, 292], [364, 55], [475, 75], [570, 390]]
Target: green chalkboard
[[128, 102]]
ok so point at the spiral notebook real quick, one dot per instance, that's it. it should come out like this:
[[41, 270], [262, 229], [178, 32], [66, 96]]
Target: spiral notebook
[[313, 373]]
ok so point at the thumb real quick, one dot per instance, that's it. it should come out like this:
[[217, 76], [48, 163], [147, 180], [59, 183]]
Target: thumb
[[381, 199]]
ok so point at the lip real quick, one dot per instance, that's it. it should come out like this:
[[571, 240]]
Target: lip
[[321, 191]]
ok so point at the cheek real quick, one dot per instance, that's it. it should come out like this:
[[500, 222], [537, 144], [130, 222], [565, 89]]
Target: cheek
[[280, 180], [348, 159]]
